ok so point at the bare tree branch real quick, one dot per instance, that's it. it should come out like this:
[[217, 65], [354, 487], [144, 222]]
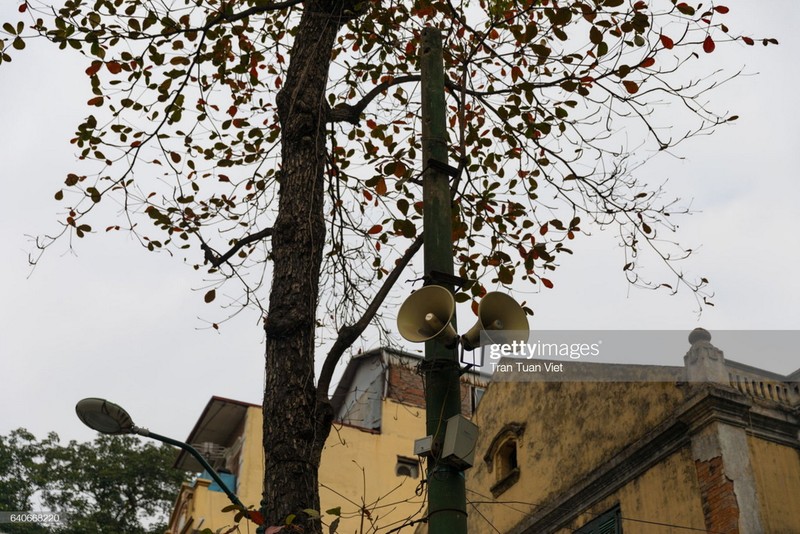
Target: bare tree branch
[[348, 334], [216, 260]]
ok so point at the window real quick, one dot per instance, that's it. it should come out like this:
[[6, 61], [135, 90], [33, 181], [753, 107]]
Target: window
[[406, 467], [609, 522], [507, 459], [502, 458]]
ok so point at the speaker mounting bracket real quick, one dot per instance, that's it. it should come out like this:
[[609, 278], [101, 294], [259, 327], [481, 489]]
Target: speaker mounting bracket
[[438, 277]]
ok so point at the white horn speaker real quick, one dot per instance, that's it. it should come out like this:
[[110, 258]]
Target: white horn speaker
[[497, 313], [426, 315]]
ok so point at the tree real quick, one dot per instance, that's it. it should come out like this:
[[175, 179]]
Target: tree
[[285, 136], [115, 484]]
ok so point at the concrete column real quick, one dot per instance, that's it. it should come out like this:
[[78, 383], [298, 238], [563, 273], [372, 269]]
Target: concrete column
[[720, 451]]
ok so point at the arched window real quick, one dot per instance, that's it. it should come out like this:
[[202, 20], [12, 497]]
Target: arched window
[[502, 458], [406, 467]]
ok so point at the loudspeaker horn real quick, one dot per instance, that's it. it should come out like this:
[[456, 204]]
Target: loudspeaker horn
[[426, 315], [497, 314]]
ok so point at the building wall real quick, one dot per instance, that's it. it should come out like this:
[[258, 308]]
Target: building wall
[[250, 479], [570, 428], [358, 466], [777, 472], [666, 493]]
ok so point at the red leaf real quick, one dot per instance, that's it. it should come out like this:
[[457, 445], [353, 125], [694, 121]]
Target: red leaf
[[631, 87], [666, 42], [96, 101], [376, 229], [721, 9], [114, 67], [256, 517], [371, 124], [547, 283], [748, 41], [708, 45], [23, 8], [380, 187], [93, 68], [649, 62]]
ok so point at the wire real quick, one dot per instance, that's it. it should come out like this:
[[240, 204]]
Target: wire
[[569, 509]]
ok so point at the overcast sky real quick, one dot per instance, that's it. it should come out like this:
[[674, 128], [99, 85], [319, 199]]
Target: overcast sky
[[115, 321]]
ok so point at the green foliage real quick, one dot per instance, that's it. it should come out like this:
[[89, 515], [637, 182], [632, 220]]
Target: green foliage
[[115, 485]]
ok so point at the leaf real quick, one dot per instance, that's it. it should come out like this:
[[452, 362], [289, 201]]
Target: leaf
[[649, 62], [748, 41], [380, 187], [23, 8], [631, 87], [595, 35], [96, 101], [721, 9], [71, 180], [505, 275], [59, 194], [334, 525], [547, 283], [666, 42], [209, 297], [93, 68], [335, 511], [685, 8], [114, 67], [376, 229], [399, 169], [708, 45], [256, 517]]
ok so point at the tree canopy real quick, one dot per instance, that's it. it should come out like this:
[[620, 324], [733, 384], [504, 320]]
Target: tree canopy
[[279, 140], [115, 484]]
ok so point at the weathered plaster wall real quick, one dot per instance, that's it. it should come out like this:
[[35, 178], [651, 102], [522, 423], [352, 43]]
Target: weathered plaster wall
[[777, 472], [570, 427], [674, 480]]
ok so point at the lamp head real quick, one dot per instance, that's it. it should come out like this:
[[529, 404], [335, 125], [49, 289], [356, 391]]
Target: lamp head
[[104, 416]]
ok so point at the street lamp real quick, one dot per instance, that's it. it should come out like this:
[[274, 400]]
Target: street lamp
[[109, 418]]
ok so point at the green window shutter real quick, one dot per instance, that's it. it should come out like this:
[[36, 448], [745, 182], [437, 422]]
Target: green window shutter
[[609, 522]]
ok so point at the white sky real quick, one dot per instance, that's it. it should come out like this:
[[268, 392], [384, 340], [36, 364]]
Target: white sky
[[115, 321]]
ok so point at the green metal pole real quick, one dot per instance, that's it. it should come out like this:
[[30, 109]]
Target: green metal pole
[[446, 491]]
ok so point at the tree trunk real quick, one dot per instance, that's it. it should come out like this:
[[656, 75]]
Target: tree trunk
[[295, 425]]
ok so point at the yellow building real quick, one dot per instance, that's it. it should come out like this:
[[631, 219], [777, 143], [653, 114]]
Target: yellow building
[[367, 469], [713, 446]]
